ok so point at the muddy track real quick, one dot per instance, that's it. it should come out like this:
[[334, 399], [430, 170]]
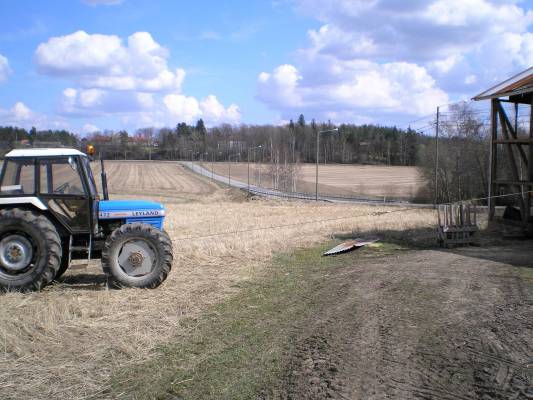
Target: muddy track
[[427, 324]]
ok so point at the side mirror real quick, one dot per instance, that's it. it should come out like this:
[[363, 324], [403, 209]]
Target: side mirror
[[72, 163]]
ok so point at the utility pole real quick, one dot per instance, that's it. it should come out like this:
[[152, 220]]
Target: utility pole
[[437, 158], [318, 133], [248, 161]]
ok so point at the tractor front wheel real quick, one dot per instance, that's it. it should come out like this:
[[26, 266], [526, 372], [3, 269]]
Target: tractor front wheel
[[137, 255], [30, 250]]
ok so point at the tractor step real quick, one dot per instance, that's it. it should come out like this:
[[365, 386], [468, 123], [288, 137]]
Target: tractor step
[[73, 249], [79, 266], [79, 248]]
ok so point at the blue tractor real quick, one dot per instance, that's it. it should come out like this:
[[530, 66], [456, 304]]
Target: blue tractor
[[51, 213]]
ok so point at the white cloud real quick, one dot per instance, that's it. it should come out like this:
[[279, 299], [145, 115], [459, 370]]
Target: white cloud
[[388, 88], [183, 107], [130, 80], [213, 112], [22, 116], [98, 102], [188, 109], [4, 68], [281, 86], [379, 59], [20, 112], [414, 31], [103, 61], [89, 128]]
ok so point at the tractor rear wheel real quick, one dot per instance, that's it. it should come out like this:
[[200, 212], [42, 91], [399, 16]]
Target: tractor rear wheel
[[137, 255], [30, 250]]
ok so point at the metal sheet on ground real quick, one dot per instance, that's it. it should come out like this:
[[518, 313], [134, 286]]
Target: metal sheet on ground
[[348, 246]]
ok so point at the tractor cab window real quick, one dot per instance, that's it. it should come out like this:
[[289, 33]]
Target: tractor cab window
[[61, 176], [18, 177], [92, 182]]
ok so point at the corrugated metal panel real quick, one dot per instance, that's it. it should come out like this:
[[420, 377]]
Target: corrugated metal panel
[[350, 245]]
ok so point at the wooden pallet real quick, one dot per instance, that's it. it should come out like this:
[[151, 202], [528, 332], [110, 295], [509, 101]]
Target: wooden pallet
[[457, 224]]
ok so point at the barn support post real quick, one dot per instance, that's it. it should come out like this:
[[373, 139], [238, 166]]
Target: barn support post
[[512, 160], [530, 163], [493, 157], [436, 196]]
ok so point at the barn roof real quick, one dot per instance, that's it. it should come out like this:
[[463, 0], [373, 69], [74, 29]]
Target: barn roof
[[519, 87]]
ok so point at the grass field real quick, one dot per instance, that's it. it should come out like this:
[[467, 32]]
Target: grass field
[[346, 180], [69, 340]]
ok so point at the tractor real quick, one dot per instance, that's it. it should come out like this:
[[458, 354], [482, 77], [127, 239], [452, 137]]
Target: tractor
[[51, 213]]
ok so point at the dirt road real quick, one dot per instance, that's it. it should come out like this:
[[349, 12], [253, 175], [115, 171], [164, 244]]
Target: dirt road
[[423, 324]]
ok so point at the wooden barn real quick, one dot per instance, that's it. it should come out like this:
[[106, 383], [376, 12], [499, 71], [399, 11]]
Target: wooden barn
[[511, 148]]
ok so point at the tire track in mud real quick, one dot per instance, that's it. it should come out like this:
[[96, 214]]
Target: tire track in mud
[[389, 330]]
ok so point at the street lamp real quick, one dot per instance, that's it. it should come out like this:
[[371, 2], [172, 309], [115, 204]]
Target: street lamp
[[248, 157], [318, 133], [192, 166]]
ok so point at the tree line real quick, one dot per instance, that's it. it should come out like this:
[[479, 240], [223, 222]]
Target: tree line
[[463, 147]]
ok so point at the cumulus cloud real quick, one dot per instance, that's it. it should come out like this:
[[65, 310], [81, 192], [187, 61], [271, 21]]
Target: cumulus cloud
[[394, 57], [129, 79], [389, 87], [98, 102], [4, 68], [89, 128], [188, 109], [103, 61], [21, 115]]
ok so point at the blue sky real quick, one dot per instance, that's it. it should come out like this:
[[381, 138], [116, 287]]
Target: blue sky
[[111, 64]]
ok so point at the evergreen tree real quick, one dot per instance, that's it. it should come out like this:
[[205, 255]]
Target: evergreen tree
[[301, 121]]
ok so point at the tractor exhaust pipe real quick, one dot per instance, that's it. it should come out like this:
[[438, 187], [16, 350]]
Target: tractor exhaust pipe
[[104, 180]]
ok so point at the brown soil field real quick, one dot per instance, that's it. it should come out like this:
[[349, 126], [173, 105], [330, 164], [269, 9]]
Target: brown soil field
[[345, 180]]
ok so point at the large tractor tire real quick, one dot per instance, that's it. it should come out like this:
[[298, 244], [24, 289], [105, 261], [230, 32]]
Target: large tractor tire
[[30, 250], [137, 255], [64, 263]]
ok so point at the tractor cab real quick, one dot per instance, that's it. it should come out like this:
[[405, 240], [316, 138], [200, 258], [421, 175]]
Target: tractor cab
[[58, 184]]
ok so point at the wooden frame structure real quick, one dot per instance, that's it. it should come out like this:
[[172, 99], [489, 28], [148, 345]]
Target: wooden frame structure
[[505, 137], [457, 224]]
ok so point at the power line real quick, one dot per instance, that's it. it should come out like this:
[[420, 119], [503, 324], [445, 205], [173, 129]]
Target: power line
[[377, 213], [263, 228]]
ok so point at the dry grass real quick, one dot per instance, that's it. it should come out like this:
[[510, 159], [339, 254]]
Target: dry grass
[[65, 342], [345, 180]]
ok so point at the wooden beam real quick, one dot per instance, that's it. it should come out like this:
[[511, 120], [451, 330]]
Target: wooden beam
[[493, 157], [510, 129], [512, 160], [530, 174]]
